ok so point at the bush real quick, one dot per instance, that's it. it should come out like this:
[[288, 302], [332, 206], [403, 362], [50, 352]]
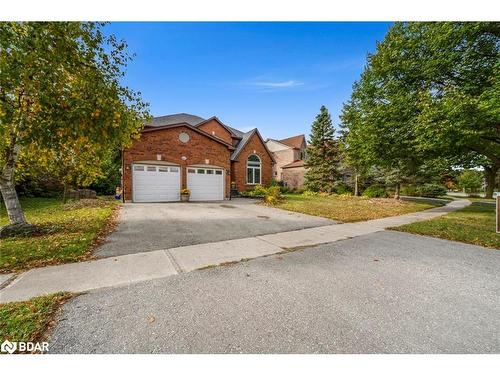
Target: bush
[[273, 195], [431, 190], [342, 188], [375, 191], [285, 189], [410, 191]]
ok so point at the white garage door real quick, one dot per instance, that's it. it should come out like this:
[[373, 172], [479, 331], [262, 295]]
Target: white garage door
[[156, 183], [206, 184]]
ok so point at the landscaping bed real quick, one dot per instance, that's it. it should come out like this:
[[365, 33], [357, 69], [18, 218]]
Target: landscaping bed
[[345, 208], [29, 320], [67, 232], [474, 224]]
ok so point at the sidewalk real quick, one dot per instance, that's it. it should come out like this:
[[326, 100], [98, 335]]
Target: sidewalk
[[126, 269]]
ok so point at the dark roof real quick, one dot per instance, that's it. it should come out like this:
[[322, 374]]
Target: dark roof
[[294, 164], [295, 141], [177, 118], [244, 140]]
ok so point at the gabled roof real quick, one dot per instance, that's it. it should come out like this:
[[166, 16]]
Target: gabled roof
[[294, 142], [244, 140], [177, 118], [294, 164], [234, 132], [217, 139]]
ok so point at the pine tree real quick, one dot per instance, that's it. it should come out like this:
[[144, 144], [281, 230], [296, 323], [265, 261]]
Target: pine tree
[[322, 159]]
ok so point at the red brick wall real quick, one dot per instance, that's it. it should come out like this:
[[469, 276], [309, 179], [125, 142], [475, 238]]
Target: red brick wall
[[166, 142], [214, 128], [239, 166]]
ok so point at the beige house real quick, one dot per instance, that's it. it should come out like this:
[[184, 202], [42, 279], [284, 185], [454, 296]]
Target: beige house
[[289, 154]]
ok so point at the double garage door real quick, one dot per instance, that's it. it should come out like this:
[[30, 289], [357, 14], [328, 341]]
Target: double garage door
[[158, 183]]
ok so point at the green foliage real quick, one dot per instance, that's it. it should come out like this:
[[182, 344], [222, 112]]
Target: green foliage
[[322, 161], [470, 180], [410, 191], [63, 106], [270, 195], [28, 320], [342, 188], [474, 224], [66, 232], [431, 190], [431, 91], [273, 195], [375, 191]]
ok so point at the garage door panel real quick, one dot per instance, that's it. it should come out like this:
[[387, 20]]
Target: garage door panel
[[156, 183], [205, 184]]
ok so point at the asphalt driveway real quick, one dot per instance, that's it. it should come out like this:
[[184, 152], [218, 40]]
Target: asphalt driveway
[[155, 226], [386, 292]]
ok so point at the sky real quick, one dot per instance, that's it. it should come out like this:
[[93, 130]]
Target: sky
[[273, 76]]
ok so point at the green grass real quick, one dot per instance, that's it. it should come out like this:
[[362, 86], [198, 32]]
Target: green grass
[[349, 208], [28, 320], [474, 224], [67, 232]]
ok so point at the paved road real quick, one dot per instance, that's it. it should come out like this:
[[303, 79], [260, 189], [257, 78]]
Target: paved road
[[386, 292], [156, 226]]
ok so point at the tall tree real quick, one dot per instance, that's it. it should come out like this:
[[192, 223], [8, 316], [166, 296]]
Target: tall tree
[[433, 88], [61, 95], [322, 161]]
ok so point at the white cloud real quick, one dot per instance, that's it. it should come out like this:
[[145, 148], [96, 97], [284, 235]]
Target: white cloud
[[277, 85]]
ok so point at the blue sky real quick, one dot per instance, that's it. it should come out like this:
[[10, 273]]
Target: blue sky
[[273, 76]]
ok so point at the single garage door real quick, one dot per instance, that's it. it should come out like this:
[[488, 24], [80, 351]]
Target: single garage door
[[156, 183], [206, 184]]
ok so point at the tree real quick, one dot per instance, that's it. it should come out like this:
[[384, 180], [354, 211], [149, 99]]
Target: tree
[[322, 159], [377, 132], [61, 98], [471, 181], [433, 89]]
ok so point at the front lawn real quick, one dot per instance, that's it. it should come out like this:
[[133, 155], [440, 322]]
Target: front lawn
[[348, 208], [67, 232], [29, 320], [474, 224]]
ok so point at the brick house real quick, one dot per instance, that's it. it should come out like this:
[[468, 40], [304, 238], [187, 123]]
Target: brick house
[[186, 151], [289, 154]]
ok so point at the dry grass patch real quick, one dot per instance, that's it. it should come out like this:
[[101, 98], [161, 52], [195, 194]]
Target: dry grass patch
[[350, 209]]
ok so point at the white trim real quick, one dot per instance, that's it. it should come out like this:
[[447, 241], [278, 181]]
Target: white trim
[[253, 168], [142, 163]]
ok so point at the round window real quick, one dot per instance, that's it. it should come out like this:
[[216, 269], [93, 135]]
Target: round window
[[184, 137]]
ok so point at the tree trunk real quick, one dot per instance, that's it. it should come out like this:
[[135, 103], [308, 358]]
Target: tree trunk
[[356, 185], [490, 174], [398, 189], [7, 188]]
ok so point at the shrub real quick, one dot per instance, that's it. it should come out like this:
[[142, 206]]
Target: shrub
[[257, 192], [410, 191], [273, 195], [431, 190], [375, 191], [285, 189], [342, 188]]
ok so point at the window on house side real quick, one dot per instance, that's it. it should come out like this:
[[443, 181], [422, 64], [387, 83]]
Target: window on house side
[[253, 170]]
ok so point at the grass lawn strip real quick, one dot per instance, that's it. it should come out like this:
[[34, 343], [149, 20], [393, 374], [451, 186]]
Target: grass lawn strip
[[349, 208], [68, 232], [474, 224], [30, 320]]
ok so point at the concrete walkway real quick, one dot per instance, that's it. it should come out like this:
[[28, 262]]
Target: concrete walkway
[[126, 269]]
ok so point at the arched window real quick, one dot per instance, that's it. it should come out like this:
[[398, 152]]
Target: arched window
[[253, 170]]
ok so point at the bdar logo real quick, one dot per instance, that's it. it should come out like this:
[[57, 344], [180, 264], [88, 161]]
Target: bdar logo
[[8, 347]]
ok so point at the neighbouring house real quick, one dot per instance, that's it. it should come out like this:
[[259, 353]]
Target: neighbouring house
[[205, 156], [289, 154]]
